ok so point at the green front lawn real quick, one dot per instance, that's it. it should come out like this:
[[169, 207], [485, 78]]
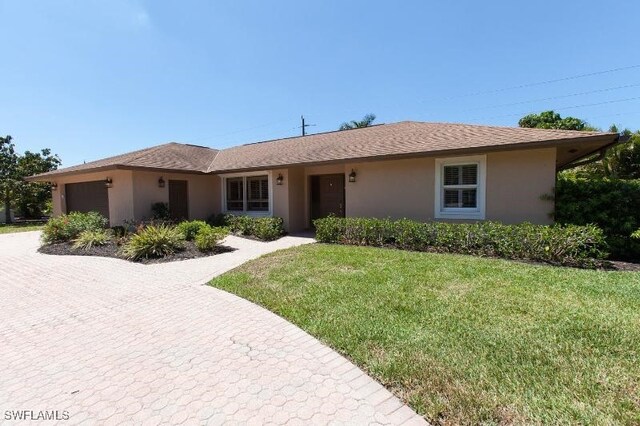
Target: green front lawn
[[8, 229], [465, 339]]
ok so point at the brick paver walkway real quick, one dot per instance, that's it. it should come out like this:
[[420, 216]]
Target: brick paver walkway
[[112, 342]]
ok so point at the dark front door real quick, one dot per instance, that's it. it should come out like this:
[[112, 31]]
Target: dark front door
[[327, 196], [178, 200], [87, 197]]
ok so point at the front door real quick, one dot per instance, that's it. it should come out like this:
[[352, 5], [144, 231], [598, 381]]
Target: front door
[[178, 200], [327, 196]]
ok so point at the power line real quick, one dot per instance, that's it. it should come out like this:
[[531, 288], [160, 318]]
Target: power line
[[567, 107], [553, 97], [539, 83]]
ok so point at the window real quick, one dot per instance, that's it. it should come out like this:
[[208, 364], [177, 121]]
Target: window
[[248, 194], [258, 193], [235, 198], [460, 188]]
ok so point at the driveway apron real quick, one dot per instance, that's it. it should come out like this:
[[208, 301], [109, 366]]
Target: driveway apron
[[105, 341]]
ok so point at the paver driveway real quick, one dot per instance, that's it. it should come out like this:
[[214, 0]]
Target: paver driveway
[[113, 342]]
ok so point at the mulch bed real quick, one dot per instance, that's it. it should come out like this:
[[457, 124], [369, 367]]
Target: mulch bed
[[618, 265], [111, 249]]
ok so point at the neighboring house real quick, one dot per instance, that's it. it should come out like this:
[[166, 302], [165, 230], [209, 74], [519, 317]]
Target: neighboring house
[[422, 171]]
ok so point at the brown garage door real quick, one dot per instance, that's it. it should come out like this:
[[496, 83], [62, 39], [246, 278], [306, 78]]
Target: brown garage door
[[87, 197]]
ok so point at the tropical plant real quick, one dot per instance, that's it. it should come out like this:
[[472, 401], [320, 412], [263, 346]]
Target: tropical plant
[[90, 238], [622, 161], [366, 121], [153, 241]]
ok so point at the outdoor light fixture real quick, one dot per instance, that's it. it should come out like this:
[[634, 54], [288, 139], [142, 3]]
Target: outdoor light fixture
[[352, 176], [160, 182], [108, 182], [54, 186], [279, 179]]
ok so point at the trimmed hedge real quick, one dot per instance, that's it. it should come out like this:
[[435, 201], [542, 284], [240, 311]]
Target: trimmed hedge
[[611, 204], [581, 246], [262, 228], [67, 227]]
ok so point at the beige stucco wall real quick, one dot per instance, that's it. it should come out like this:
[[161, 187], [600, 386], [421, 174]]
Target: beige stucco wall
[[397, 189], [203, 193], [515, 183], [516, 180], [133, 192], [297, 200], [120, 194], [289, 198], [280, 193]]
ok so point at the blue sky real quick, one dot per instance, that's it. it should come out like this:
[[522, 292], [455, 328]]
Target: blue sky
[[92, 78]]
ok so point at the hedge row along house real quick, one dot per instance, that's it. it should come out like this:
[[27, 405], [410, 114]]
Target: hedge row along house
[[416, 170]]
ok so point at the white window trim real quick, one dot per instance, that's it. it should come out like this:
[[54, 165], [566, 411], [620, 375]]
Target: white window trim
[[244, 176], [478, 212]]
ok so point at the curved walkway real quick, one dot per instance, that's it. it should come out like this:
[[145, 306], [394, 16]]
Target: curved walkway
[[112, 342]]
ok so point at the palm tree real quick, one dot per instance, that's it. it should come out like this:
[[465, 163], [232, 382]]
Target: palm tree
[[353, 124]]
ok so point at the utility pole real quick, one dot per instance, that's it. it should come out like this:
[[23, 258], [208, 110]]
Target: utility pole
[[304, 126]]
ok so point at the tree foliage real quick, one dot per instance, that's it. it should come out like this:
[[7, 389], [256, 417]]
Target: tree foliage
[[553, 120], [622, 161], [28, 197], [366, 121]]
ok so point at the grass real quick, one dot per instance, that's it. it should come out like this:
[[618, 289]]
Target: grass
[[465, 340], [19, 227]]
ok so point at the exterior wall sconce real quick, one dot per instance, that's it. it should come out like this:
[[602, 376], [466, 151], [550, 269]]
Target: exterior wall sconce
[[54, 186], [352, 176], [279, 179], [108, 182], [161, 182]]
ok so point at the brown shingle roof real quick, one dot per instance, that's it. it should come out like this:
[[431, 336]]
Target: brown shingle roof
[[407, 138], [388, 140], [170, 156]]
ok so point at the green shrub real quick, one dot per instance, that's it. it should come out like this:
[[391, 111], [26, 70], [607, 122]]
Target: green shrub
[[208, 237], [219, 219], [569, 245], [262, 228], [90, 238], [611, 204], [119, 231], [153, 242], [636, 235], [268, 228], [160, 211], [241, 225], [190, 228], [66, 227]]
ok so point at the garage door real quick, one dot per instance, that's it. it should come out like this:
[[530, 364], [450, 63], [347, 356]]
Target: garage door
[[87, 197]]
